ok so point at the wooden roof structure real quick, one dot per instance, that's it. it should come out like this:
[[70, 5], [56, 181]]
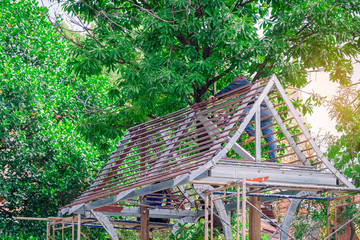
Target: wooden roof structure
[[168, 157]]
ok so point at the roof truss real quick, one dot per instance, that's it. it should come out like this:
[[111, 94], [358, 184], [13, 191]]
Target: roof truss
[[189, 144]]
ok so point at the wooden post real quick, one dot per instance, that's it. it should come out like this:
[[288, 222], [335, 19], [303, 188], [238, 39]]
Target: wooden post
[[328, 218], [237, 212], [47, 231], [145, 223], [243, 208], [72, 229], [62, 229], [212, 216], [335, 218], [79, 227], [255, 219], [206, 217], [53, 225]]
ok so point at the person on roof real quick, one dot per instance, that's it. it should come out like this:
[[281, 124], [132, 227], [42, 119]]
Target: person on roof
[[266, 124]]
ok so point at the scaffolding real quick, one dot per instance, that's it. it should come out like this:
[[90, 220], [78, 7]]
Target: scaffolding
[[236, 197], [167, 167]]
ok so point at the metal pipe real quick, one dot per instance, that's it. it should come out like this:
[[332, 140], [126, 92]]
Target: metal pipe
[[278, 196], [274, 233]]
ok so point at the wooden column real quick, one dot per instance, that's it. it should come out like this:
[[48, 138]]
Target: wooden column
[[328, 218], [255, 219], [145, 223], [47, 230], [72, 229], [79, 227]]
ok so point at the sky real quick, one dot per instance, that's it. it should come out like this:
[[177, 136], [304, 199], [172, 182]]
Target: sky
[[55, 9], [320, 84]]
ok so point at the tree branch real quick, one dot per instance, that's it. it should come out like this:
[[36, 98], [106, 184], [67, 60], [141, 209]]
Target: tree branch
[[262, 66], [243, 4], [207, 52], [106, 16], [84, 27], [235, 6], [61, 33], [124, 125], [146, 5], [304, 36], [151, 13], [182, 38], [214, 79]]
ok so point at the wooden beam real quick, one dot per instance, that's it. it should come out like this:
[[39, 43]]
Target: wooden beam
[[145, 223], [47, 231], [255, 219], [307, 135], [32, 218], [79, 227], [105, 222], [109, 209], [216, 183]]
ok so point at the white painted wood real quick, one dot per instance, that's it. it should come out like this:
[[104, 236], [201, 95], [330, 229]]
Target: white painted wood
[[105, 222], [307, 134], [275, 175], [257, 135], [182, 221], [170, 144], [209, 126], [286, 133], [236, 135], [154, 213], [291, 212]]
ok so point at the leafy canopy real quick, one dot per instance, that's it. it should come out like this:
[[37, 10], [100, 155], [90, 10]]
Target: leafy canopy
[[345, 109], [165, 55], [44, 162]]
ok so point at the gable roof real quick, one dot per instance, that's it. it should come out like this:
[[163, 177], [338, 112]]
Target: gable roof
[[178, 148]]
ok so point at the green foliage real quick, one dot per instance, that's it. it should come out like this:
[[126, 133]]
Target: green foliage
[[165, 55], [190, 231], [193, 231], [345, 151], [44, 161], [140, 60], [311, 217]]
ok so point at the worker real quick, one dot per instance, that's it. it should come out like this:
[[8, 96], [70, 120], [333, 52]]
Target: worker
[[241, 81]]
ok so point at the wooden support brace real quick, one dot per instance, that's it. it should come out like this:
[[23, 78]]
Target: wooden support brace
[[255, 219], [72, 229], [79, 227], [145, 223], [47, 231], [243, 208]]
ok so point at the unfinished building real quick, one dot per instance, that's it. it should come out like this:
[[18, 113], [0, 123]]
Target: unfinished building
[[191, 164]]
